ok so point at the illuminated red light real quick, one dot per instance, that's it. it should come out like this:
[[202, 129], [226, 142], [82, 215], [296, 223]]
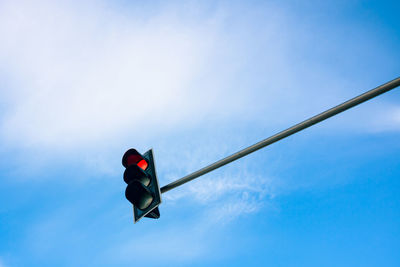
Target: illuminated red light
[[143, 164], [138, 160]]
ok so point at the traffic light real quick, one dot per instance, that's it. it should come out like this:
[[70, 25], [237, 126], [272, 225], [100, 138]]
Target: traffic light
[[143, 190]]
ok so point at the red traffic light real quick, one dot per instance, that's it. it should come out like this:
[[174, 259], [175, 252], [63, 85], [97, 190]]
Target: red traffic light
[[133, 157], [143, 190]]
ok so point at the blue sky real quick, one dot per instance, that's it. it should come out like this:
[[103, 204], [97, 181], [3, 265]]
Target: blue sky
[[80, 83]]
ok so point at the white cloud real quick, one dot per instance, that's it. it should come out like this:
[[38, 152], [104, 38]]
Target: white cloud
[[82, 76]]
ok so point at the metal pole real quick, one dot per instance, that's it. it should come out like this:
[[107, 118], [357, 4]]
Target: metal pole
[[292, 130]]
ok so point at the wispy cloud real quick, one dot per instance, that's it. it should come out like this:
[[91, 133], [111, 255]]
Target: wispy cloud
[[172, 246], [60, 230], [387, 119], [248, 189], [190, 240]]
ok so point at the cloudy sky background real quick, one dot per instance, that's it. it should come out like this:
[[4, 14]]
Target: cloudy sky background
[[80, 83]]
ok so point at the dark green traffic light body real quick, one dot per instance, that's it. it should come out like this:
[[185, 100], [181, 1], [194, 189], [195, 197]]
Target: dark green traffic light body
[[143, 190]]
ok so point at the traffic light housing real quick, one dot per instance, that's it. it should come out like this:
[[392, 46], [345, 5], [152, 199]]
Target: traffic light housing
[[143, 190]]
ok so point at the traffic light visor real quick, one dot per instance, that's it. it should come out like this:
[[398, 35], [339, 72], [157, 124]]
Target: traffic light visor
[[133, 157]]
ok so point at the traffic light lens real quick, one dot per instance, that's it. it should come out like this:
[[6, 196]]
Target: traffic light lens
[[138, 195], [134, 172]]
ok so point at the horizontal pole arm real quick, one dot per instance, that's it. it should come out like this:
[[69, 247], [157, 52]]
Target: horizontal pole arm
[[283, 134]]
